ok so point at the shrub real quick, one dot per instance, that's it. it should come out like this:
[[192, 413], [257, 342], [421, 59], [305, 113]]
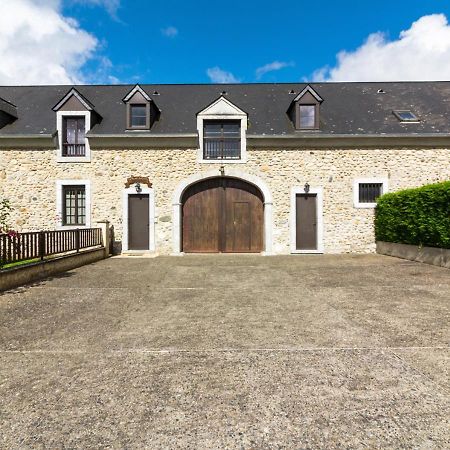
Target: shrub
[[5, 212], [415, 216]]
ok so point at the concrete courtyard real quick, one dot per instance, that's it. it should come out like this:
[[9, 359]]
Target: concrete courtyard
[[229, 352]]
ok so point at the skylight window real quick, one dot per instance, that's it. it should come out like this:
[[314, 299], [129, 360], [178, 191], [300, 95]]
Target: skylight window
[[405, 116]]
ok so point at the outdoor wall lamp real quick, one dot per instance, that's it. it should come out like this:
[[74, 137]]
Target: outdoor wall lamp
[[222, 170], [138, 188], [306, 188]]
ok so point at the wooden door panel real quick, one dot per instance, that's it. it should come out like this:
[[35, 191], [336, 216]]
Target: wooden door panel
[[240, 236], [306, 222], [138, 222], [243, 217], [223, 215], [201, 217]]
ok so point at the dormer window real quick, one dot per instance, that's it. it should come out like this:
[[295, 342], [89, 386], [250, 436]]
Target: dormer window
[[222, 128], [74, 133], [305, 108], [139, 109], [75, 116]]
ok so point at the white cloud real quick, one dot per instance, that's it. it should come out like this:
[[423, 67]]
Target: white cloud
[[217, 75], [271, 67], [420, 53], [170, 32], [38, 45]]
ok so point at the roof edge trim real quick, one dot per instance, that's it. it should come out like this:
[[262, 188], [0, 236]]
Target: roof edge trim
[[330, 141], [34, 141]]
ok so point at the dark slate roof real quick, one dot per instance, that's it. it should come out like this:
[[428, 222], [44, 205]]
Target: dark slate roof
[[348, 108]]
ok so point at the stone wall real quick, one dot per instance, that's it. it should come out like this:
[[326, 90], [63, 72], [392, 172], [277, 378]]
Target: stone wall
[[28, 179]]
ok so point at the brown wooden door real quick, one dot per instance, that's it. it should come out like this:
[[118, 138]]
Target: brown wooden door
[[222, 215], [138, 222], [306, 222], [201, 217]]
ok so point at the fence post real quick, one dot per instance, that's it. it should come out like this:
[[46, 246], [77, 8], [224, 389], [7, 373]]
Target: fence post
[[41, 244], [106, 235], [3, 250], [77, 240]]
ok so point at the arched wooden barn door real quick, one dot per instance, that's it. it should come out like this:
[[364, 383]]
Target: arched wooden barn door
[[222, 215]]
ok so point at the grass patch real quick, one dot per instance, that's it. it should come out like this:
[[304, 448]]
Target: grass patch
[[19, 263]]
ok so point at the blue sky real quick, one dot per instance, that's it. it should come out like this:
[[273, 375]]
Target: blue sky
[[240, 37], [128, 41]]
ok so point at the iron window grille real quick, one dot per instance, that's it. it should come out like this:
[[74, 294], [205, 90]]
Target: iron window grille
[[74, 136], [369, 192], [74, 205], [222, 139]]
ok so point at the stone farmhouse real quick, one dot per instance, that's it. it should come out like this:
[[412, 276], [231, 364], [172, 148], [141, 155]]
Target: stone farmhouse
[[270, 168]]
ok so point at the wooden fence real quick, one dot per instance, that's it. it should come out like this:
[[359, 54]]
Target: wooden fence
[[33, 245]]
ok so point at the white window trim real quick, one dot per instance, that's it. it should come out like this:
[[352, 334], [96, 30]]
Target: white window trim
[[242, 118], [151, 212], [59, 126], [293, 219], [59, 203], [358, 181], [230, 112]]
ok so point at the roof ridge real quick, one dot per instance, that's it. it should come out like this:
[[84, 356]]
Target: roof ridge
[[229, 84]]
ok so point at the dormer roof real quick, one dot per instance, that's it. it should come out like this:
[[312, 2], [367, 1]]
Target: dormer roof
[[311, 91], [8, 108], [136, 89], [222, 107], [74, 93]]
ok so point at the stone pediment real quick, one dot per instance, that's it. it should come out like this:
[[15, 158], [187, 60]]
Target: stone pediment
[[222, 107]]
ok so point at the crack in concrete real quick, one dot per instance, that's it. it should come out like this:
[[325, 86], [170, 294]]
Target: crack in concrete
[[229, 350]]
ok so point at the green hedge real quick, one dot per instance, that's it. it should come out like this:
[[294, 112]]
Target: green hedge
[[415, 216]]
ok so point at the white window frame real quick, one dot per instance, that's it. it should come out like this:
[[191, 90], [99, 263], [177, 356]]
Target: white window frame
[[59, 126], [293, 219], [59, 203], [234, 113], [152, 217], [356, 203]]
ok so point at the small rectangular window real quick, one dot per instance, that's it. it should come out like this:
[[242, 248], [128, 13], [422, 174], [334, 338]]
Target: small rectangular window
[[74, 205], [222, 139], [405, 116], [369, 192], [138, 116], [74, 134], [307, 116]]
